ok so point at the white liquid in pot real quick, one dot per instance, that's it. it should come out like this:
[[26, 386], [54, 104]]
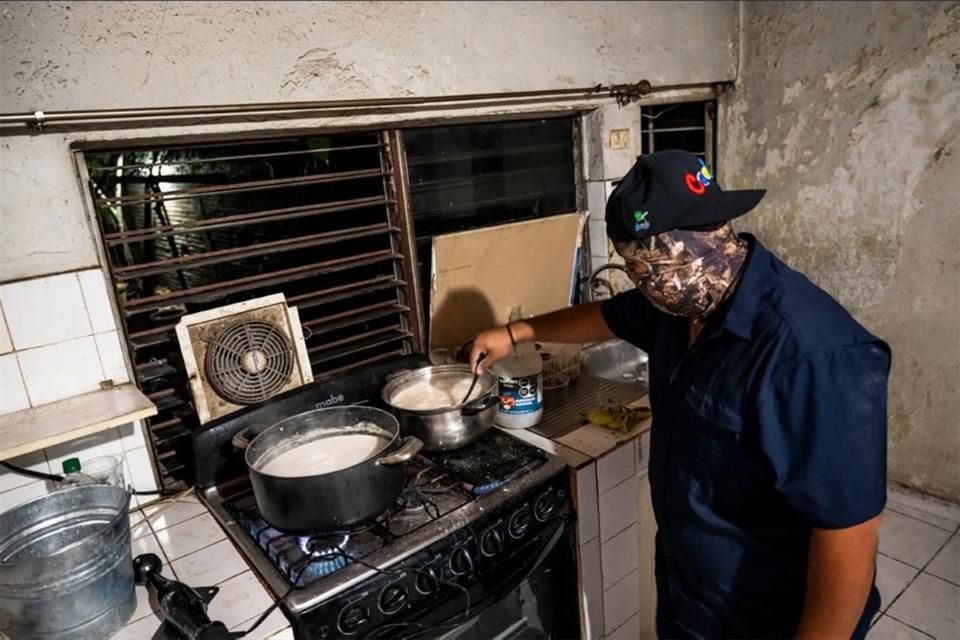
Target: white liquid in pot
[[324, 455], [426, 395]]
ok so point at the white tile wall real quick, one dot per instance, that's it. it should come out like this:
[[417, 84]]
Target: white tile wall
[[61, 370], [33, 489], [35, 461], [588, 518], [629, 630], [98, 444], [141, 473], [619, 556], [617, 466], [13, 394], [6, 345], [97, 301], [44, 310], [591, 590], [132, 435], [621, 602], [618, 508], [65, 341], [111, 357]]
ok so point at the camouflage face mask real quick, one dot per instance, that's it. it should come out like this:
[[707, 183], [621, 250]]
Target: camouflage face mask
[[685, 272]]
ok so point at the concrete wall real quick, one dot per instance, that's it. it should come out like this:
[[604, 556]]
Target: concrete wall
[[73, 55], [849, 113], [65, 56]]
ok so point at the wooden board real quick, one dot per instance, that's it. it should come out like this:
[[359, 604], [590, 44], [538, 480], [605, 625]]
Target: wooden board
[[30, 430], [478, 276]]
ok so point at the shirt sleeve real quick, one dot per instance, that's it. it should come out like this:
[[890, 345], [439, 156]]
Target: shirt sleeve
[[823, 426], [631, 317]]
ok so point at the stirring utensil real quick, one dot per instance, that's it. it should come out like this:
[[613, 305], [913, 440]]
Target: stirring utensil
[[476, 376]]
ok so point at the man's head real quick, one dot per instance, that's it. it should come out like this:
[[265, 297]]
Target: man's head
[[669, 219]]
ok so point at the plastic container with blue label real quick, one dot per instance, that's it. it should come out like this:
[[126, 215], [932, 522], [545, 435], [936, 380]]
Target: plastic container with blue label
[[520, 384]]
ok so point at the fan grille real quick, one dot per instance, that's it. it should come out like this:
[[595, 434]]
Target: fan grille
[[249, 361]]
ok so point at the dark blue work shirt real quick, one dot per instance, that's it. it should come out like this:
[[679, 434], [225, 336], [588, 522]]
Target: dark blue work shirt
[[771, 424]]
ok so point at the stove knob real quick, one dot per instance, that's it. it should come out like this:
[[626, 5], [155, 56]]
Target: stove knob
[[392, 598], [426, 581], [352, 618], [460, 562], [491, 543], [519, 522], [545, 505]]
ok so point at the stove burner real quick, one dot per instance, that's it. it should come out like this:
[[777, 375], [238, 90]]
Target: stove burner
[[323, 546]]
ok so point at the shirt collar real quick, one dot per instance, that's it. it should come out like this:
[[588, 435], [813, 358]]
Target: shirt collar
[[742, 307]]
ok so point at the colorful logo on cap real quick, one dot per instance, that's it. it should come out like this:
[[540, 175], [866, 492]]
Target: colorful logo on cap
[[640, 222], [698, 184]]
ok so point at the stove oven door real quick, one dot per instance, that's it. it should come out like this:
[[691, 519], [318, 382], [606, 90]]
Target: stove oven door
[[534, 598]]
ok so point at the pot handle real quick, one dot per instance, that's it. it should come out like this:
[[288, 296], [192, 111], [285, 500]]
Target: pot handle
[[408, 449], [479, 406], [396, 374]]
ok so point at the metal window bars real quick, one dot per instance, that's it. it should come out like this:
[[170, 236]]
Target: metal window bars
[[322, 219]]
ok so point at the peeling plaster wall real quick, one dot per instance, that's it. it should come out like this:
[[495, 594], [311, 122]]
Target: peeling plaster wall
[[96, 55], [76, 55], [849, 114]]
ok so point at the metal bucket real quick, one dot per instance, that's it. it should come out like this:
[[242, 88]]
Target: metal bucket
[[65, 567]]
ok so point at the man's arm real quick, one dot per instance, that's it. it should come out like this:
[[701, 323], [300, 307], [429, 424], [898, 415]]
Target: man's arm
[[580, 324], [840, 568]]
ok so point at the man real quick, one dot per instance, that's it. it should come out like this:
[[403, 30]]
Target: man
[[768, 451]]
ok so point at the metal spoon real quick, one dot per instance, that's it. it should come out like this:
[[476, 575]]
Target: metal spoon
[[476, 376]]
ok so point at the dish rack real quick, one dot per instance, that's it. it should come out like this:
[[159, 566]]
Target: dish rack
[[561, 363]]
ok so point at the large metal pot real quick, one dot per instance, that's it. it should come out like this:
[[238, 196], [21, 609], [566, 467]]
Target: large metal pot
[[65, 567], [339, 499], [449, 427]]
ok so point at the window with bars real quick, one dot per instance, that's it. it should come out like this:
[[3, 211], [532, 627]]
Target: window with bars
[[687, 125], [194, 227], [468, 176]]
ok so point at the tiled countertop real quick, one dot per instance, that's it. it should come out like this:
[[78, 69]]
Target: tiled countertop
[[196, 551]]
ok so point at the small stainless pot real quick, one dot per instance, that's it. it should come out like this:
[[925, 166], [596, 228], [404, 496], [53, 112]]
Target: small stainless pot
[[450, 427]]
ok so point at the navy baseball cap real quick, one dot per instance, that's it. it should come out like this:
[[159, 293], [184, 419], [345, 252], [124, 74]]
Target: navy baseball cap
[[671, 190]]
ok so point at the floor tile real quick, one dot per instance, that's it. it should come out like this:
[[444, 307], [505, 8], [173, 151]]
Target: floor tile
[[275, 627], [908, 540], [886, 628], [930, 604], [934, 506], [146, 605], [923, 516], [167, 514], [190, 535], [138, 525], [239, 597], [210, 565], [150, 544], [946, 564], [142, 629], [893, 577]]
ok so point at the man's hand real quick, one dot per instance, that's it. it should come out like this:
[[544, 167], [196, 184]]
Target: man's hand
[[493, 342], [840, 568], [580, 324]]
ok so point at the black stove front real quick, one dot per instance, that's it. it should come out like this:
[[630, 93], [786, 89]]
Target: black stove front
[[470, 527]]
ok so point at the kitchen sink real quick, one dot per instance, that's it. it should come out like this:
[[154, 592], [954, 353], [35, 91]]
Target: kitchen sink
[[612, 372], [615, 360]]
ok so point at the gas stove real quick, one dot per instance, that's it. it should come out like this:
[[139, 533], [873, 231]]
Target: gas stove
[[468, 527]]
